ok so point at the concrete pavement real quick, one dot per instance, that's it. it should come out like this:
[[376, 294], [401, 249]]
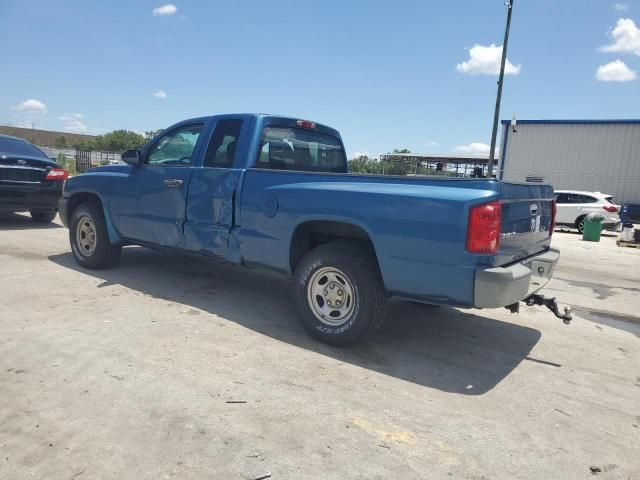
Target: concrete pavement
[[129, 373]]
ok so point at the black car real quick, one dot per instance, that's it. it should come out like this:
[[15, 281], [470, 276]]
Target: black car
[[29, 180]]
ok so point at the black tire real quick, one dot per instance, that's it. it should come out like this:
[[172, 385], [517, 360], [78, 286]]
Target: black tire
[[43, 217], [103, 254], [364, 281], [580, 224]]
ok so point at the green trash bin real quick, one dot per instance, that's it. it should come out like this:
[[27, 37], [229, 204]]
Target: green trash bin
[[592, 227]]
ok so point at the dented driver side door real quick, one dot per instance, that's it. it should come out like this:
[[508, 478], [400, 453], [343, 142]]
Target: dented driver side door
[[210, 203]]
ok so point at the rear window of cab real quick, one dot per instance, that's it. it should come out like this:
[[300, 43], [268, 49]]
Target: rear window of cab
[[284, 148]]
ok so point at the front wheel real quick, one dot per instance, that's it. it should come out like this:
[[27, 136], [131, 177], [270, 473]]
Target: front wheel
[[339, 293], [89, 239], [580, 224]]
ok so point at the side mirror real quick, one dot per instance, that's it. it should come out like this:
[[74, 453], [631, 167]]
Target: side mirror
[[132, 157]]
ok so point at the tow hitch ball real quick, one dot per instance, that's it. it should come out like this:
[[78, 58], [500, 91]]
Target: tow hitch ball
[[550, 303]]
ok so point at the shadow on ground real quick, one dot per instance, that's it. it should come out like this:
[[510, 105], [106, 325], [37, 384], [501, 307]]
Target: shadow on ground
[[605, 233], [441, 348], [13, 221]]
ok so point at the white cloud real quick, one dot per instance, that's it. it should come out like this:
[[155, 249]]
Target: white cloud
[[78, 115], [432, 144], [476, 148], [72, 124], [159, 94], [625, 36], [620, 7], [360, 154], [486, 61], [168, 9], [616, 71], [31, 106]]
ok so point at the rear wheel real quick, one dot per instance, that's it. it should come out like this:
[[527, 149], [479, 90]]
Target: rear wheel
[[89, 239], [580, 224], [43, 217], [339, 293]]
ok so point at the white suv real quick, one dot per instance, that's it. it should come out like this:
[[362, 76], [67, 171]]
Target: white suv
[[573, 206]]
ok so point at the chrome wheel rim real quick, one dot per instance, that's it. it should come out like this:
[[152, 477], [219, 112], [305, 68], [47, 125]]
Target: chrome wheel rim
[[331, 296], [86, 235]]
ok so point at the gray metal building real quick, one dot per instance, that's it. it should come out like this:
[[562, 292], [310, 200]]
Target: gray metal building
[[593, 155]]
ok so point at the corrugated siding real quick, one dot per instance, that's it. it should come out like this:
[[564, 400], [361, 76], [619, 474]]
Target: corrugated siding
[[593, 157]]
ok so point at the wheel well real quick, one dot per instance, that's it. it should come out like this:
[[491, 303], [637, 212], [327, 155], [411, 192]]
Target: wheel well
[[579, 219], [83, 197], [310, 235]]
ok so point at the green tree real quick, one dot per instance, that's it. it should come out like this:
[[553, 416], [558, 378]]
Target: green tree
[[68, 163], [116, 141], [60, 142], [394, 164], [399, 165], [148, 135], [119, 140], [364, 164], [82, 145]]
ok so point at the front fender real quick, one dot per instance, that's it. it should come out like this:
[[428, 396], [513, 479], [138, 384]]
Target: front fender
[[93, 184]]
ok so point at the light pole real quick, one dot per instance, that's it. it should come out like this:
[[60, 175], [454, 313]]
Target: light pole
[[496, 115]]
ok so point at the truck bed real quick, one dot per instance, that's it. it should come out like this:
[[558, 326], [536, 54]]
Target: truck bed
[[418, 225]]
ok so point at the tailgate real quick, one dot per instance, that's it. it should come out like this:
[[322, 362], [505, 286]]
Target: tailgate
[[527, 211]]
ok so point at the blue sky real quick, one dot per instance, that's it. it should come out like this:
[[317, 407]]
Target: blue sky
[[388, 74]]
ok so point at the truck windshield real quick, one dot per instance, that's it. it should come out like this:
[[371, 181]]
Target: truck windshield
[[284, 148]]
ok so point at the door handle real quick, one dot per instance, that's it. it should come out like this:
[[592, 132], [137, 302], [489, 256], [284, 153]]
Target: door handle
[[172, 183]]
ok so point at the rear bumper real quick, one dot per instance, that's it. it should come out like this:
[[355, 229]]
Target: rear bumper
[[29, 198], [502, 286]]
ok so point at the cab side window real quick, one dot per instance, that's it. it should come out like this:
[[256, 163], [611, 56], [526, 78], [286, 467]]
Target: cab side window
[[176, 147], [222, 146]]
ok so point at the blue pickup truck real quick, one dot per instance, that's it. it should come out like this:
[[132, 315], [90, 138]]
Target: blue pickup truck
[[272, 192]]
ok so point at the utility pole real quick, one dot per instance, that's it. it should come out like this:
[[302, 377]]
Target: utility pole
[[496, 115]]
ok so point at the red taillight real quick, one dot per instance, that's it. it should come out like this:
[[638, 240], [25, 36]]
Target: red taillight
[[57, 174], [554, 211], [610, 208], [305, 124], [483, 234]]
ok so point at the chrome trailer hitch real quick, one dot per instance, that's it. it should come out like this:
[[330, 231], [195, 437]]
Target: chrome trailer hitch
[[550, 303]]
